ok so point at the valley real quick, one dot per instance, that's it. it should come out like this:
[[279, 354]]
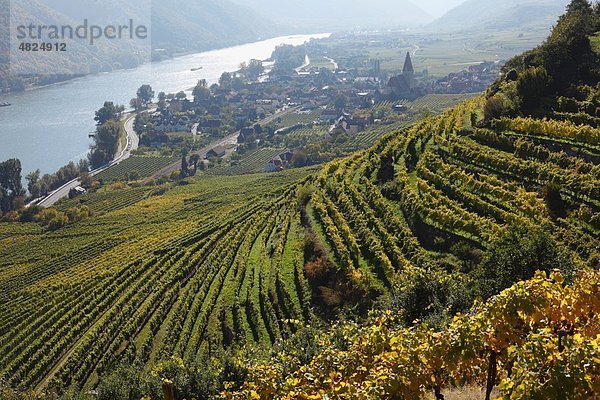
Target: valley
[[366, 215]]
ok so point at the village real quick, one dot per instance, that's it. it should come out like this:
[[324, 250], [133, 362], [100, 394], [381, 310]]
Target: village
[[301, 106]]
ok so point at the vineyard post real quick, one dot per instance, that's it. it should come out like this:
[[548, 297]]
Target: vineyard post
[[167, 387], [491, 378], [438, 392]]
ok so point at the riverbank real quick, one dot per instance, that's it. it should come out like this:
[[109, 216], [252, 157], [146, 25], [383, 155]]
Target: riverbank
[[168, 58], [48, 127]]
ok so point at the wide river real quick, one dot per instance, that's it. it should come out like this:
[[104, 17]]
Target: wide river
[[48, 127]]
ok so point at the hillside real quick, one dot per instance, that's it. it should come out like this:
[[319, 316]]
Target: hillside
[[328, 15], [490, 14], [176, 27], [208, 24], [248, 286]]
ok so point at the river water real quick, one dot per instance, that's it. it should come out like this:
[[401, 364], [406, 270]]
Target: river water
[[48, 127]]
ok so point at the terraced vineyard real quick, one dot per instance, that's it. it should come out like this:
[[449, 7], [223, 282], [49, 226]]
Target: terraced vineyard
[[142, 166], [439, 102], [370, 136], [222, 260]]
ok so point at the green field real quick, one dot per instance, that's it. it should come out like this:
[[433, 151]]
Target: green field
[[441, 55]]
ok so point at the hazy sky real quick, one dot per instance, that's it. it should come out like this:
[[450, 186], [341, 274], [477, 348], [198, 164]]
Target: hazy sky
[[437, 7]]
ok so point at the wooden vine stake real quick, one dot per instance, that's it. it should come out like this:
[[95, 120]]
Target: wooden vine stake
[[491, 378], [167, 387]]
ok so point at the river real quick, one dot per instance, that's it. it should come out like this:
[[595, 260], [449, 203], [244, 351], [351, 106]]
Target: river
[[48, 127]]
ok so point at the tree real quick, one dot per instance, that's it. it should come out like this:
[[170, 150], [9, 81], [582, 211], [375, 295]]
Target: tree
[[581, 6], [145, 94], [340, 101], [86, 179], [33, 180], [143, 124], [83, 165], [201, 92], [162, 101], [136, 104], [225, 81], [252, 70], [194, 160], [300, 158], [531, 86], [495, 106], [567, 54], [237, 83], [184, 167], [181, 95], [10, 184], [516, 256], [106, 143], [108, 112]]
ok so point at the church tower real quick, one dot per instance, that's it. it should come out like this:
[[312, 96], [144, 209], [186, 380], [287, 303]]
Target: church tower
[[408, 72]]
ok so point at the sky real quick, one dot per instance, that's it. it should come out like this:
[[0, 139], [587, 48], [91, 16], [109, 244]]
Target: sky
[[437, 8]]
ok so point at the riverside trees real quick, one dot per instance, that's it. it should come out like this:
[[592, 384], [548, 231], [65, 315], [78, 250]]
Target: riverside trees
[[108, 134]]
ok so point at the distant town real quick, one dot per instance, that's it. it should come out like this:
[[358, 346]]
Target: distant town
[[321, 99]]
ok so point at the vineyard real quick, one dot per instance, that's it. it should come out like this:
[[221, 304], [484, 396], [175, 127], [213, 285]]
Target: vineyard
[[518, 339], [136, 166], [251, 163], [438, 102], [224, 260], [107, 200], [370, 136], [200, 266], [460, 251], [297, 117]]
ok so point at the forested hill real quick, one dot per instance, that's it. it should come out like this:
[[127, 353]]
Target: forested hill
[[228, 286]]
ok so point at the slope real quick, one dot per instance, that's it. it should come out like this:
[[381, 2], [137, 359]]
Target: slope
[[511, 14], [175, 27], [324, 16]]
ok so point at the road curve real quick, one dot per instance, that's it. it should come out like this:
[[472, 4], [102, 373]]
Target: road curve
[[133, 142]]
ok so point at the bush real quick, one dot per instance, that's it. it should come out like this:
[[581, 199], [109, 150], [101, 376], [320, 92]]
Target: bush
[[58, 222], [516, 256], [496, 106]]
